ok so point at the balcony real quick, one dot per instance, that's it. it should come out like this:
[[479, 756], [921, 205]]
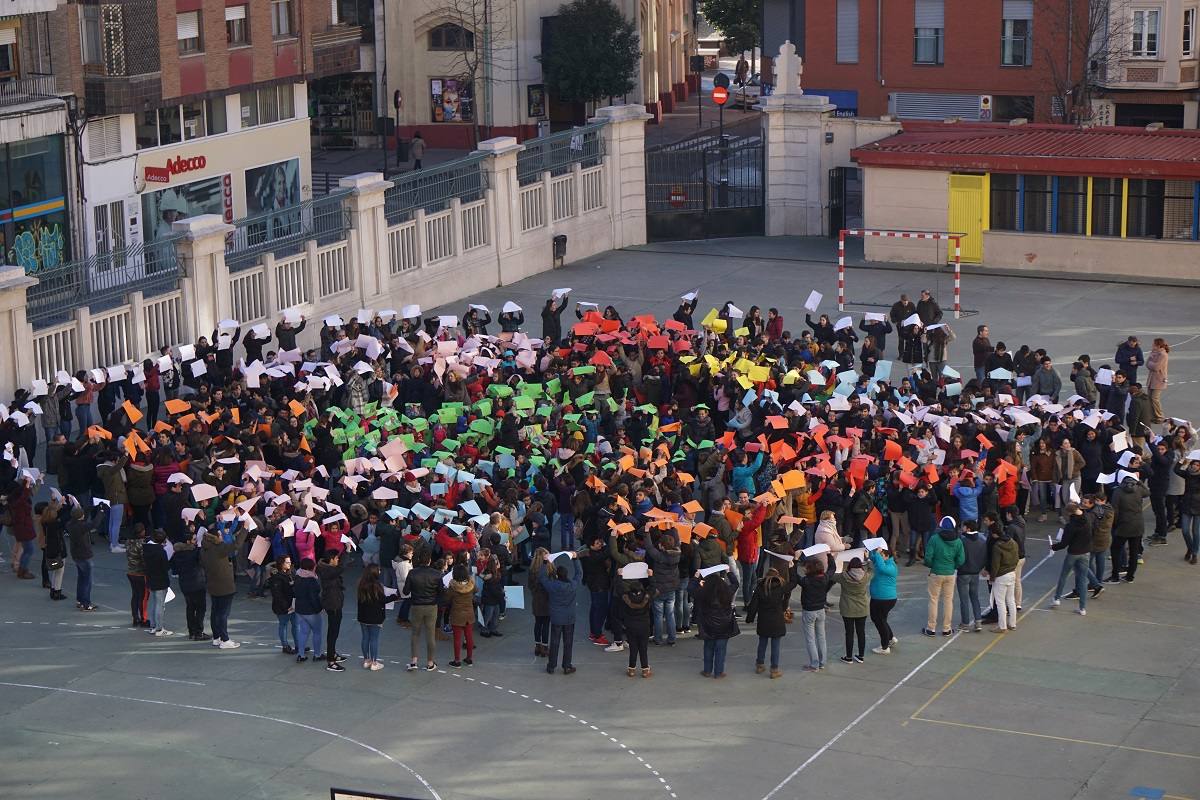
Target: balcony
[[32, 88], [1161, 74], [120, 55]]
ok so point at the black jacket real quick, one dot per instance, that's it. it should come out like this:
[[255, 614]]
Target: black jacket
[[333, 589], [813, 590], [158, 576], [282, 592], [768, 604], [185, 563], [424, 586]]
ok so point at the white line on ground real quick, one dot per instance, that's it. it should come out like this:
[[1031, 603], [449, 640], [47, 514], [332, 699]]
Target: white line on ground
[[854, 723], [174, 680]]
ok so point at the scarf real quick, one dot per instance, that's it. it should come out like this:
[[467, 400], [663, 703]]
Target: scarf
[[856, 573]]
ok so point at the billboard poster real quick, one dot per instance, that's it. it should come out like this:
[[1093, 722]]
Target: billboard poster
[[272, 187], [165, 206]]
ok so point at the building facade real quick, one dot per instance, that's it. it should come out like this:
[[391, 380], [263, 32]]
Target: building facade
[[934, 59], [192, 107], [457, 61]]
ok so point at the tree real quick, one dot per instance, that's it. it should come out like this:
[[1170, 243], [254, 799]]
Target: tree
[[592, 53], [737, 20], [482, 52], [1087, 41]]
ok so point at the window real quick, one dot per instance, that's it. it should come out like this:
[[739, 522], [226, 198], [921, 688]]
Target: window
[[268, 105], [170, 127], [281, 19], [146, 129], [847, 31], [214, 116], [1145, 33], [1177, 209], [1189, 32], [1145, 208], [1003, 203], [1016, 48], [9, 61], [1072, 205], [193, 120], [237, 27], [930, 26], [453, 100], [89, 35], [187, 31], [103, 137], [1037, 199], [1007, 107], [248, 105], [1106, 206], [449, 36], [109, 222]]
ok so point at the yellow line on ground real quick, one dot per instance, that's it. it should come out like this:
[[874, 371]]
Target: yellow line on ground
[[975, 659], [1061, 739]]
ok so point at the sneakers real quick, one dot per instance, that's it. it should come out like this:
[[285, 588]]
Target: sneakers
[[948, 633], [1096, 590], [339, 658], [334, 666], [964, 628], [1056, 602], [431, 666], [1082, 612], [928, 632], [883, 651], [376, 666], [601, 640], [163, 632], [997, 629], [469, 662], [229, 645], [117, 548], [1072, 595], [846, 660], [1128, 579], [216, 642], [1112, 579], [455, 664], [977, 627], [288, 650], [806, 668], [301, 659], [87, 607], [568, 670], [895, 640], [411, 667], [615, 647]]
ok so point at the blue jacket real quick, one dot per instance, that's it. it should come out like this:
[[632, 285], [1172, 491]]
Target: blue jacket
[[883, 581], [562, 596], [968, 500], [743, 477], [307, 591]]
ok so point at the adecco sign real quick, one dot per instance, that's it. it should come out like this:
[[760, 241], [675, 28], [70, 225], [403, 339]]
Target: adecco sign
[[175, 166]]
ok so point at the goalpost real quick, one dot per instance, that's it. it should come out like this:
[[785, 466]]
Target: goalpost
[[935, 236]]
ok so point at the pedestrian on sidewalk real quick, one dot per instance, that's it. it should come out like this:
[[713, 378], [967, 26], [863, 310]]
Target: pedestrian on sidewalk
[[417, 149]]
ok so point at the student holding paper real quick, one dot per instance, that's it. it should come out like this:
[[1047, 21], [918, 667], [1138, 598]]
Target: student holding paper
[[371, 615], [814, 589], [635, 614], [158, 581], [883, 597], [561, 591], [280, 583], [461, 615], [307, 591], [714, 610], [216, 553], [769, 604], [540, 567], [854, 606]]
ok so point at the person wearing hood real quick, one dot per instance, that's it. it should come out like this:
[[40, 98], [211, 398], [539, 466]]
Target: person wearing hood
[[664, 558], [635, 614], [1076, 539], [967, 491], [280, 583], [561, 589], [306, 590], [769, 604], [1128, 528], [854, 605], [1002, 571], [216, 552], [944, 554], [967, 579]]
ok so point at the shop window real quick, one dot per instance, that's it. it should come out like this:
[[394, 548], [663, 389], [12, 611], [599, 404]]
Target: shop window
[[1072, 205], [187, 30], [237, 26], [33, 179], [193, 120], [170, 127], [1003, 203], [452, 100], [214, 116], [1106, 206], [449, 36], [1178, 197], [281, 19], [1145, 216], [1037, 197]]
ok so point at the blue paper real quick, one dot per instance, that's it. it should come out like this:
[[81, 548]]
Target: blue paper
[[506, 461], [951, 372], [883, 370], [749, 397], [953, 389]]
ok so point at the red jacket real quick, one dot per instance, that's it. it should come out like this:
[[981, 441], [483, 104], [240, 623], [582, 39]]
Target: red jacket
[[775, 329], [747, 541], [1006, 492], [452, 544]]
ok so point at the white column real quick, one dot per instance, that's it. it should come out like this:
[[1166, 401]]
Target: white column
[[794, 173], [137, 322], [504, 199], [368, 234], [625, 168], [16, 334], [202, 253]]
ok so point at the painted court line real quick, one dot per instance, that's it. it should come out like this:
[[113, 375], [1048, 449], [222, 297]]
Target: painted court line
[[1109, 745], [883, 698]]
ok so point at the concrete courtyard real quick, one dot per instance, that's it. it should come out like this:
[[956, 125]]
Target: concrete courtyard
[[1066, 708]]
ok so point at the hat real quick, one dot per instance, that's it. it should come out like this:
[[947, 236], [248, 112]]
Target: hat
[[948, 523]]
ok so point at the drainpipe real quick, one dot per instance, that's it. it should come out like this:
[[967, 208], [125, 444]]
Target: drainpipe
[[879, 41]]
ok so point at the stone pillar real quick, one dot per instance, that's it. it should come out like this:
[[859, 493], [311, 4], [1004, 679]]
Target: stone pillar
[[625, 172], [504, 198], [16, 334], [368, 248], [202, 254], [792, 131]]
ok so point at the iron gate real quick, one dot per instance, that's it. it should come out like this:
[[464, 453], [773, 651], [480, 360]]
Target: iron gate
[[845, 199], [710, 190]]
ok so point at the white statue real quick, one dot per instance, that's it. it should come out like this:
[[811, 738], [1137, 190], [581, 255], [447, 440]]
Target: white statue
[[788, 69]]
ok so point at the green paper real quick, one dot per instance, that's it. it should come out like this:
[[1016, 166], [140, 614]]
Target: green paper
[[572, 417], [585, 399], [613, 406], [484, 426], [484, 408], [532, 389], [506, 450], [588, 370], [339, 436], [537, 460], [554, 387], [450, 444], [447, 416], [523, 403], [370, 408], [500, 390], [429, 463], [544, 411], [419, 424]]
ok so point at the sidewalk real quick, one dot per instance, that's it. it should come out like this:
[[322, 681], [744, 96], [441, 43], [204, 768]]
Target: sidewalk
[[330, 165]]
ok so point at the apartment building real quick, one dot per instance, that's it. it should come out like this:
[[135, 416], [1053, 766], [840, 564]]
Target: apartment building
[[193, 107], [981, 60]]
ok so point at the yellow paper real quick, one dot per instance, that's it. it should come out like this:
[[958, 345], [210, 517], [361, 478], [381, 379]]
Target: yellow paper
[[745, 382], [694, 369], [744, 365], [686, 359], [709, 317], [712, 362], [760, 374], [719, 325], [742, 331], [790, 377]]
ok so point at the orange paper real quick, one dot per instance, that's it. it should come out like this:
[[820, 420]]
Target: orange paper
[[96, 430], [892, 451], [297, 408], [673, 427], [873, 521], [693, 507], [685, 478], [793, 479], [177, 406], [162, 427], [132, 412], [185, 421], [236, 413], [685, 532]]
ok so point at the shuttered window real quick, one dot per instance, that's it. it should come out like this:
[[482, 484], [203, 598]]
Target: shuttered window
[[8, 36], [847, 31], [237, 28], [930, 14], [929, 29], [1016, 34], [187, 30], [103, 137], [1018, 9]]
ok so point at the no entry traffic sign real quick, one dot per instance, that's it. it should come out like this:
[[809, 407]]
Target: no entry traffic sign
[[720, 95]]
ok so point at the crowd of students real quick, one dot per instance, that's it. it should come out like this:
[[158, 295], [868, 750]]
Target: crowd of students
[[657, 469]]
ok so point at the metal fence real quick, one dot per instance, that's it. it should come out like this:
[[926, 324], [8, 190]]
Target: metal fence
[[558, 152], [102, 280], [285, 232], [432, 189]]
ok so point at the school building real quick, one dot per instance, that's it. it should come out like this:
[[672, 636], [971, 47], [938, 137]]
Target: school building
[[1096, 201]]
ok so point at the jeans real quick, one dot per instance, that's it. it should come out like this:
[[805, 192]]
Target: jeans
[[308, 625], [1191, 532], [116, 515], [664, 617], [423, 619], [1043, 496], [287, 622], [814, 636], [566, 531], [1158, 502], [83, 581], [83, 416], [1005, 600], [967, 585], [154, 612], [1079, 565], [462, 632], [879, 616], [775, 642], [491, 618], [683, 619], [597, 614], [747, 581], [564, 636], [195, 603], [370, 641], [1120, 562], [941, 588], [714, 656], [27, 549], [218, 617], [980, 375], [1096, 565]]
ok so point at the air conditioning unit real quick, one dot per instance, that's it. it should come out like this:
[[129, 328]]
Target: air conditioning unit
[[985, 108]]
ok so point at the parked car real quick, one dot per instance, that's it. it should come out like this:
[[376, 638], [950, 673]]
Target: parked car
[[747, 94]]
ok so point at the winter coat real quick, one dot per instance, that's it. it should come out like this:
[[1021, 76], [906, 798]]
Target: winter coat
[[974, 552], [372, 612], [883, 580], [333, 587], [139, 484], [944, 552], [855, 601], [539, 604], [768, 603], [185, 563], [1101, 519], [112, 478], [665, 564], [158, 576], [424, 586], [968, 500], [1077, 536], [81, 539], [715, 619], [1127, 510], [1156, 365], [1004, 558], [462, 602], [1191, 490], [282, 588], [1045, 382], [562, 596], [635, 610], [307, 591], [813, 591], [218, 569]]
